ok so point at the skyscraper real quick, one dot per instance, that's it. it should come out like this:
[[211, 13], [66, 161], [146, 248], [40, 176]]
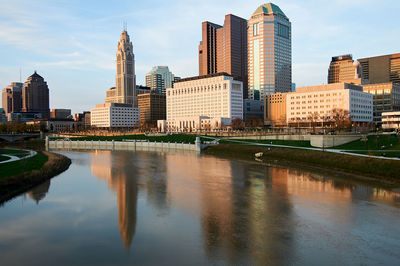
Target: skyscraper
[[12, 98], [160, 78], [269, 52], [381, 69], [344, 69], [35, 96], [125, 78], [224, 49]]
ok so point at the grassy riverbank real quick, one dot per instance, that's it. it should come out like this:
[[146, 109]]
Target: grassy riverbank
[[385, 172], [18, 177]]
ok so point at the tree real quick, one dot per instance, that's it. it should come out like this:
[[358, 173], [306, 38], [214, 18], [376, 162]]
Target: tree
[[313, 118], [237, 124], [340, 119]]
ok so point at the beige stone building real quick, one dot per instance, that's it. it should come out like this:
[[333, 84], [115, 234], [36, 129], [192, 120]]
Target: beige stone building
[[386, 98], [318, 102], [114, 115], [322, 99], [215, 96], [124, 91]]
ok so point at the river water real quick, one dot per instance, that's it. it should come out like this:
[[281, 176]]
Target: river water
[[156, 208]]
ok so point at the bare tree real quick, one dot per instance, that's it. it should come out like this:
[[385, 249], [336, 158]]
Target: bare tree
[[313, 118], [340, 119], [237, 124]]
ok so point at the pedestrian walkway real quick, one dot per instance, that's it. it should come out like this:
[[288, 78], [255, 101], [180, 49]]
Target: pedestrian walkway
[[15, 158]]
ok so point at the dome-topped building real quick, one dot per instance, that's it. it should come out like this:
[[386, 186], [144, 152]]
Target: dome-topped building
[[269, 9], [269, 51]]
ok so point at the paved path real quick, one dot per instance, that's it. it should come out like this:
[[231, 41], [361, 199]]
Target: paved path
[[15, 158], [310, 148]]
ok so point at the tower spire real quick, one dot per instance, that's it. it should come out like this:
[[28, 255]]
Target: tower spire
[[125, 26]]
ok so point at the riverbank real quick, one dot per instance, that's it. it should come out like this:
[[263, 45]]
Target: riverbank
[[11, 186], [366, 170]]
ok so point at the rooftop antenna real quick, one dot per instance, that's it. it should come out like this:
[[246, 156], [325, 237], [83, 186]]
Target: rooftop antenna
[[20, 76], [125, 26]]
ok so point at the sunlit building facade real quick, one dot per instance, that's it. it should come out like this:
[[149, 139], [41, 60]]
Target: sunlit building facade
[[216, 96], [386, 98], [114, 115], [269, 52], [124, 91], [344, 69], [381, 69]]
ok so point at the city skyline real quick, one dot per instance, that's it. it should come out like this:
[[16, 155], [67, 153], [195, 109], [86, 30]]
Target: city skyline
[[73, 46]]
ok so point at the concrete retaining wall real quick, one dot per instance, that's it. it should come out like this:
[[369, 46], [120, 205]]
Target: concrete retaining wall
[[121, 145], [327, 141], [275, 137]]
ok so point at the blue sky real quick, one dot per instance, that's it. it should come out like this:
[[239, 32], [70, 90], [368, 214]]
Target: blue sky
[[72, 44]]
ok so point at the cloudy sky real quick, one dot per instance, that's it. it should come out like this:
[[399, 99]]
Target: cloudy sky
[[72, 44]]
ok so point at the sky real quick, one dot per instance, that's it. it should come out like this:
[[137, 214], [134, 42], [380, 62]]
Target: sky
[[72, 44]]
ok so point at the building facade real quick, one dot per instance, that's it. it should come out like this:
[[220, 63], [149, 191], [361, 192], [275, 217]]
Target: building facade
[[391, 120], [344, 69], [381, 69], [269, 52], [124, 91], [35, 96], [160, 78], [386, 98], [152, 108], [60, 113], [12, 98], [320, 101], [55, 124], [114, 115], [253, 110], [275, 110], [211, 96], [224, 49]]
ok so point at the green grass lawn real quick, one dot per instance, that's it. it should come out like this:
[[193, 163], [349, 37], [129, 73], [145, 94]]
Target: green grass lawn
[[4, 158], [295, 143], [169, 138], [375, 142], [17, 153], [25, 165]]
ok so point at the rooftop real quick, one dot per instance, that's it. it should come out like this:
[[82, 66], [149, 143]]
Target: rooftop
[[269, 9], [204, 76]]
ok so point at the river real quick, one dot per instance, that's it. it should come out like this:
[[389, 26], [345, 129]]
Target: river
[[158, 208]]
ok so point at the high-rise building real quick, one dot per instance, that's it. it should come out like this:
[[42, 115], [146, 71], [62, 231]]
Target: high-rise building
[[12, 98], [344, 69], [224, 49], [160, 78], [35, 96], [152, 108], [269, 52], [381, 69], [124, 91]]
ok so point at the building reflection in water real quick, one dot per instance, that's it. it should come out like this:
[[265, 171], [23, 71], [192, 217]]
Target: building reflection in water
[[247, 212], [117, 169], [39, 192], [125, 173]]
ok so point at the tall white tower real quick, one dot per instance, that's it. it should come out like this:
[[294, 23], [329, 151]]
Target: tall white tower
[[125, 79]]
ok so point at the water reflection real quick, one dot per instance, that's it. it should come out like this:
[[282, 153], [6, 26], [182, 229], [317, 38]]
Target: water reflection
[[192, 209], [39, 192], [121, 177]]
